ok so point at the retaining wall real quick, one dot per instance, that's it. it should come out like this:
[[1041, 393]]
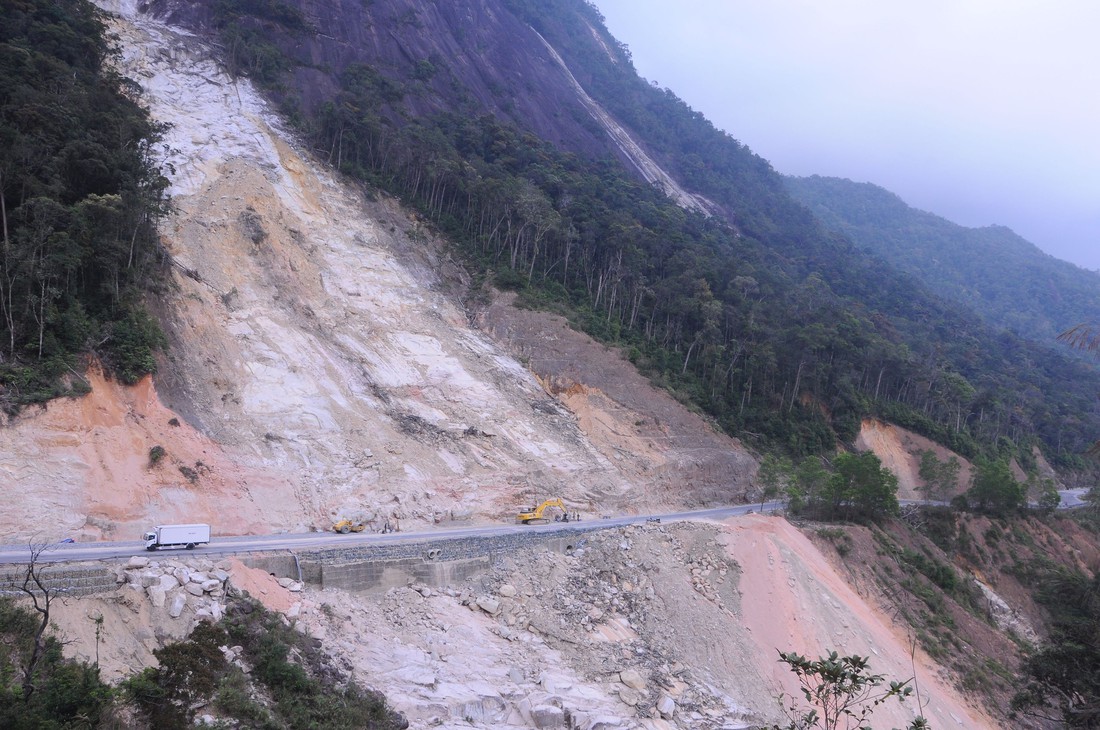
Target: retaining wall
[[63, 580], [357, 567], [373, 566]]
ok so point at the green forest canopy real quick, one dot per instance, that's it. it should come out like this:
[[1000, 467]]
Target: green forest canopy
[[79, 201]]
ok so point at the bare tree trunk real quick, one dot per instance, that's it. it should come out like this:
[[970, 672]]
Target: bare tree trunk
[[41, 597]]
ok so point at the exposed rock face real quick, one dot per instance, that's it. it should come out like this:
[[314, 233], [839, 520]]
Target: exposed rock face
[[321, 365], [482, 58]]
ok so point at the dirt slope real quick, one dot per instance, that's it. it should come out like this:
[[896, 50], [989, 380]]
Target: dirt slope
[[899, 450]]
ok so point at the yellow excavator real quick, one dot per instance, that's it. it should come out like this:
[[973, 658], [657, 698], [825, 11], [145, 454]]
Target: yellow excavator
[[345, 526], [540, 515]]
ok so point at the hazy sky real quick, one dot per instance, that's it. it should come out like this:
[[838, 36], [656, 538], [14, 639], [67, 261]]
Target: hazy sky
[[980, 111]]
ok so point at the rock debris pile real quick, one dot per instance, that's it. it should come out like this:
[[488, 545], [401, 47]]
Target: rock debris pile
[[192, 588], [605, 608]]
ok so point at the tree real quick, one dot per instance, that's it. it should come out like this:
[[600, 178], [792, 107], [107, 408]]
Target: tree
[[860, 487], [842, 693], [994, 490], [1042, 494], [67, 693], [807, 483], [1084, 337], [42, 595], [940, 477], [188, 672], [1063, 676], [773, 477]]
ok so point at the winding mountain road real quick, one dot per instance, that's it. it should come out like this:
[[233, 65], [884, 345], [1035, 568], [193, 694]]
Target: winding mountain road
[[79, 552]]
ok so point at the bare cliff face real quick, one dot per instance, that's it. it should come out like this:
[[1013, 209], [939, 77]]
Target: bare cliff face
[[323, 364], [476, 56]]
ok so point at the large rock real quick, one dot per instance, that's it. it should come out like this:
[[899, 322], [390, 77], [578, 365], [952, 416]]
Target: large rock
[[630, 696], [179, 600], [138, 561], [632, 678], [547, 716], [490, 606], [666, 706], [157, 595]]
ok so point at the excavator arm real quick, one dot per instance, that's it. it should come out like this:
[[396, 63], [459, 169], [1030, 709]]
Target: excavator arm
[[537, 515]]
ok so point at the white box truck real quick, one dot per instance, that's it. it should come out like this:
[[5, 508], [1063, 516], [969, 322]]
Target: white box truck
[[177, 536]]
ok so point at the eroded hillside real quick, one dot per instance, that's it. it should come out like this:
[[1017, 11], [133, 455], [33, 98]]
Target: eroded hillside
[[321, 357]]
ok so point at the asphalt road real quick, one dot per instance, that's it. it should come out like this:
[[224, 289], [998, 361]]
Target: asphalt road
[[229, 545], [218, 546]]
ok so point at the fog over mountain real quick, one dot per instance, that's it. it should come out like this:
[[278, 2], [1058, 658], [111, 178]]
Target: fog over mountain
[[977, 112]]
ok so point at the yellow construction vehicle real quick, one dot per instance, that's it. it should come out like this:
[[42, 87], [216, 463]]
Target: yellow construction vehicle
[[539, 515], [345, 526]]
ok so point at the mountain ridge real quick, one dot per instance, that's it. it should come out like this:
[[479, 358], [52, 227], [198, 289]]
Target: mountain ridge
[[1008, 280]]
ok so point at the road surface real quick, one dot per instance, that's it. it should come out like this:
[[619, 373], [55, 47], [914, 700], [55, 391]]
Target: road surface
[[219, 546]]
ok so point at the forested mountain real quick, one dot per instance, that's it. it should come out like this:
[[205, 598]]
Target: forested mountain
[[1002, 277], [744, 305], [79, 200]]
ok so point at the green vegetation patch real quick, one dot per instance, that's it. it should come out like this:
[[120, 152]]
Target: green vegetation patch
[[81, 197]]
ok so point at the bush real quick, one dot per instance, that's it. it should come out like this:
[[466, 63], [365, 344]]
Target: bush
[[129, 351], [63, 689], [156, 454]]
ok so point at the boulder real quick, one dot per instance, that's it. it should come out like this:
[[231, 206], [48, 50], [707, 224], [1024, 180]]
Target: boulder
[[194, 589], [547, 716], [507, 590], [138, 561], [630, 696], [489, 605], [632, 678], [157, 595], [179, 600], [666, 706]]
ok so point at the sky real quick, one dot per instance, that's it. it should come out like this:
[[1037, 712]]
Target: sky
[[980, 111]]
